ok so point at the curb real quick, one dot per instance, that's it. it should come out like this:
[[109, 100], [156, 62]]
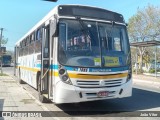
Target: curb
[[147, 82]]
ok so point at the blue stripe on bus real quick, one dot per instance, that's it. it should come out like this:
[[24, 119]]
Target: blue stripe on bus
[[54, 67], [98, 69], [38, 65]]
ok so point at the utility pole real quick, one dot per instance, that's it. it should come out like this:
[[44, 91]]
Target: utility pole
[[0, 48]]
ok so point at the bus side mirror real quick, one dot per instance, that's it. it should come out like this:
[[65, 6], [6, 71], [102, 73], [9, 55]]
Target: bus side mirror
[[53, 27]]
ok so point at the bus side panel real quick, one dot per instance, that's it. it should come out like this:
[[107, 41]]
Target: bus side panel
[[28, 68]]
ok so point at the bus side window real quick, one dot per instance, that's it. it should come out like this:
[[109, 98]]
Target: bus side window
[[46, 43], [38, 40], [31, 44], [39, 34], [23, 46], [27, 45]]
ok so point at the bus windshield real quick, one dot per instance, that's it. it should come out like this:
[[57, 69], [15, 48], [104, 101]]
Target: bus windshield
[[92, 44]]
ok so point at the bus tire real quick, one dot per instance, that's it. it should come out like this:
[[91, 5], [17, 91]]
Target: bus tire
[[20, 80], [41, 98]]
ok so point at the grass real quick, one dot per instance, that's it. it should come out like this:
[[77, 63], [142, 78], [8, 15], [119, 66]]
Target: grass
[[3, 74]]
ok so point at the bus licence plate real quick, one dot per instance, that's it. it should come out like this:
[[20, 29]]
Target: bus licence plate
[[102, 94]]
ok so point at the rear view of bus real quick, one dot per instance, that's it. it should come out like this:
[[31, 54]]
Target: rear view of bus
[[6, 60], [93, 56]]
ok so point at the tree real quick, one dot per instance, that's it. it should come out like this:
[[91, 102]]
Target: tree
[[144, 26], [4, 41]]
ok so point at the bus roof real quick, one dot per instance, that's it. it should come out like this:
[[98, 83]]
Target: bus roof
[[89, 12], [55, 10]]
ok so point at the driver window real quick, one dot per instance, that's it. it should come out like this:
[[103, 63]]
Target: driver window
[[63, 36]]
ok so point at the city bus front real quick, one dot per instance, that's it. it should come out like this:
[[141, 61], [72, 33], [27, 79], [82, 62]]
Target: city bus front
[[93, 61]]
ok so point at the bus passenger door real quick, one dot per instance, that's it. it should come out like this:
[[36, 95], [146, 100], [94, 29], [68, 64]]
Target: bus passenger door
[[45, 68], [47, 60]]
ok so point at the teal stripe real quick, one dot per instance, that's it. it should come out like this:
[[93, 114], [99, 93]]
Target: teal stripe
[[55, 67]]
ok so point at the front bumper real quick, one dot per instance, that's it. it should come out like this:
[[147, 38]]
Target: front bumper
[[65, 93]]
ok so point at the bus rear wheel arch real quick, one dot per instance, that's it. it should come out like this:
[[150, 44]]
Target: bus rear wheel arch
[[19, 78]]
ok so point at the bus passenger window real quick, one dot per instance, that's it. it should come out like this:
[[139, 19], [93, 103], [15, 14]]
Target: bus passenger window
[[39, 34], [38, 40]]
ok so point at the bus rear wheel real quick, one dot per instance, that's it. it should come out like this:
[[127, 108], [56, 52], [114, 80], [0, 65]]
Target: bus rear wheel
[[19, 79], [41, 98]]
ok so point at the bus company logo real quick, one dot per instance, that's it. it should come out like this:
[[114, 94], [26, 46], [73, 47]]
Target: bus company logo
[[102, 83], [83, 69]]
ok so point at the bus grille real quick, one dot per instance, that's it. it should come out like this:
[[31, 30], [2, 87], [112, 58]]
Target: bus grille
[[99, 84]]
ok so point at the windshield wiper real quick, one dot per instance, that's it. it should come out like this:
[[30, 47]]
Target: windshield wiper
[[84, 29]]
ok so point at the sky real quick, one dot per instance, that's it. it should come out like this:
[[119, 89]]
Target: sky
[[17, 17]]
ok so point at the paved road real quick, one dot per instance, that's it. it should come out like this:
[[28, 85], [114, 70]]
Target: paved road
[[144, 99]]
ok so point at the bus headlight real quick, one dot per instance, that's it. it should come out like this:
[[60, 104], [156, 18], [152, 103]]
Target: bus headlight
[[64, 76], [62, 71]]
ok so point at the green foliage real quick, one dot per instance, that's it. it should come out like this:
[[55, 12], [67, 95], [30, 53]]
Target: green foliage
[[138, 71], [152, 71], [144, 26], [4, 41], [2, 74]]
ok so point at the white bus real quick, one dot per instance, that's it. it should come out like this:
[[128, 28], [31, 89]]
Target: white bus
[[76, 53]]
